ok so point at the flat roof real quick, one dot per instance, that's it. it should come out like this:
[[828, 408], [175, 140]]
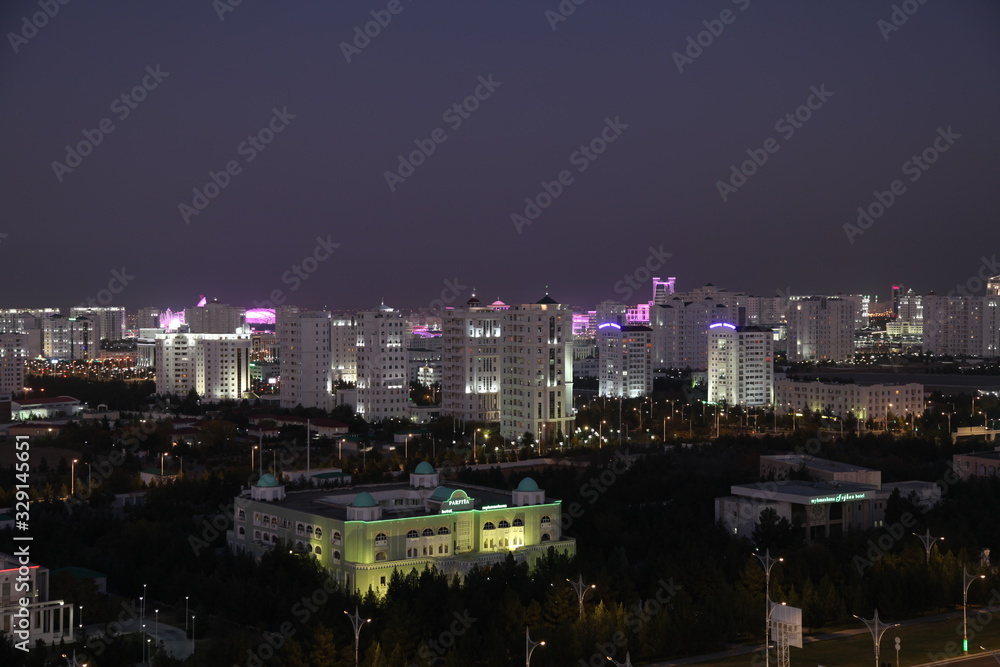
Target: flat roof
[[991, 454], [816, 463], [806, 493]]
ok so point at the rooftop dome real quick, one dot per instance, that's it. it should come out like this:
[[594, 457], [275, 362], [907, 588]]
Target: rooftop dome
[[267, 480], [424, 468], [527, 484], [364, 499]]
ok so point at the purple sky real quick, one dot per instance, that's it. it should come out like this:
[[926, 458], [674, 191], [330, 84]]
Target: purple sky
[[655, 185]]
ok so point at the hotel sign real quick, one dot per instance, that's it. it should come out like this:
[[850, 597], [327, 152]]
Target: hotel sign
[[458, 501], [839, 498]]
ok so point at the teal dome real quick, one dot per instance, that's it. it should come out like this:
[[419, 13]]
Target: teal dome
[[527, 484], [364, 499], [424, 468], [267, 480]]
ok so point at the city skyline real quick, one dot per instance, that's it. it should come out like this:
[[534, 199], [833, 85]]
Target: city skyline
[[532, 144]]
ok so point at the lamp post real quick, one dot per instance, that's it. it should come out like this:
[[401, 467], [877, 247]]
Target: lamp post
[[929, 542], [474, 434], [873, 627], [185, 614], [81, 618], [156, 629], [358, 623], [967, 580], [529, 647], [581, 591], [192, 633], [627, 663], [72, 477], [768, 562]]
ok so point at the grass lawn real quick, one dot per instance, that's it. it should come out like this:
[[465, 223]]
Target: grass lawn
[[918, 641]]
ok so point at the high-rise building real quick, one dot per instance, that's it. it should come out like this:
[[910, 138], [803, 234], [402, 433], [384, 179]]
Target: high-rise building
[[821, 329], [993, 286], [625, 360], [680, 331], [110, 320], [910, 308], [71, 338], [768, 310], [382, 387], [662, 289], [148, 318], [215, 317], [962, 325], [536, 381], [897, 293], [344, 348], [12, 358], [306, 377], [470, 364], [740, 364], [216, 366]]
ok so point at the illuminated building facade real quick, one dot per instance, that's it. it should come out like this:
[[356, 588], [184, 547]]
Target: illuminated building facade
[[740, 364], [71, 337], [306, 378], [12, 357], [216, 318], [49, 621], [382, 388], [216, 366], [680, 331], [624, 360], [962, 325], [864, 402], [821, 329], [344, 348], [536, 376], [110, 320], [361, 536], [470, 362]]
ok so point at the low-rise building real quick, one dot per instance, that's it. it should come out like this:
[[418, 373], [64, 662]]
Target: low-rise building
[[873, 401], [27, 615]]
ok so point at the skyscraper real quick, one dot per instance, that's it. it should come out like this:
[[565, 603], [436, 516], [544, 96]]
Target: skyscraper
[[821, 329], [383, 391], [624, 357], [740, 364], [304, 360], [470, 379]]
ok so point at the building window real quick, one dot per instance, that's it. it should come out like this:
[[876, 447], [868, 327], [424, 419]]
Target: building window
[[318, 550], [336, 556], [335, 538], [546, 520], [443, 530], [428, 532], [504, 524], [381, 581], [243, 515], [546, 537], [380, 556], [412, 535], [381, 540], [489, 526], [242, 532], [319, 533], [518, 523]]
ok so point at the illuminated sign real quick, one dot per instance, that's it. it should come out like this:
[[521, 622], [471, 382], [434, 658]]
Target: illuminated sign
[[722, 324], [839, 498], [493, 507], [459, 500], [610, 324]]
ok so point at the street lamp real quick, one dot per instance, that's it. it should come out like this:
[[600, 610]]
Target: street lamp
[[529, 647], [581, 590], [185, 614], [72, 477], [627, 663], [474, 433], [768, 563], [873, 627], [192, 633], [967, 580], [358, 623], [929, 542]]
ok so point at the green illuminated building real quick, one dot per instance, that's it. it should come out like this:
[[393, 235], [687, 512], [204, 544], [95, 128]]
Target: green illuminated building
[[362, 535]]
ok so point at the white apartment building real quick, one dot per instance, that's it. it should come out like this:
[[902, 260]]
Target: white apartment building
[[216, 318], [148, 317], [624, 360], [910, 308], [536, 381], [862, 401], [821, 329], [993, 286], [470, 362], [71, 337], [12, 358], [306, 377], [740, 364], [766, 309], [111, 319], [382, 388], [41, 619], [344, 348], [680, 331], [216, 366], [962, 325]]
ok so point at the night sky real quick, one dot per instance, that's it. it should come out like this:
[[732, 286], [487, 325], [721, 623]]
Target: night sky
[[677, 125]]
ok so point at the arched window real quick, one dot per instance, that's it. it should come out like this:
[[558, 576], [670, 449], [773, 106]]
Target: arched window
[[428, 532], [318, 550], [243, 515], [335, 538], [503, 524], [300, 528], [546, 537], [412, 535], [518, 522], [380, 556], [489, 526], [242, 532], [336, 556], [411, 552], [274, 522], [309, 531], [256, 534], [546, 520], [299, 546], [381, 540], [319, 533], [444, 530]]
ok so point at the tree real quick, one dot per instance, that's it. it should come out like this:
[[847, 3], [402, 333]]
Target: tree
[[773, 532]]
